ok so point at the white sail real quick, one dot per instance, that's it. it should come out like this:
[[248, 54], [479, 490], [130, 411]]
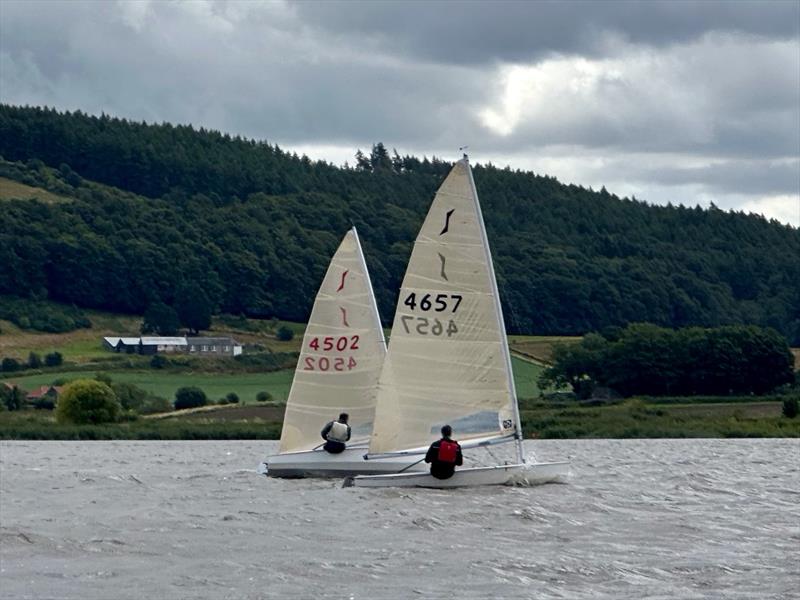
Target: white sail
[[448, 360], [342, 354]]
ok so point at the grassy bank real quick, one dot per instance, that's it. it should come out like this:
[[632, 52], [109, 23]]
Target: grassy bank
[[629, 419], [639, 419], [41, 425]]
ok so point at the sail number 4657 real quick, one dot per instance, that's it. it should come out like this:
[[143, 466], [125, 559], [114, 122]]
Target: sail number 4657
[[425, 326], [439, 302]]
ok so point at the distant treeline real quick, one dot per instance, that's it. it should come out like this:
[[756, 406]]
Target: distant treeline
[[253, 228], [645, 359]]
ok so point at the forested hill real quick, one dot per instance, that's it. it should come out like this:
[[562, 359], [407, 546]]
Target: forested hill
[[250, 228]]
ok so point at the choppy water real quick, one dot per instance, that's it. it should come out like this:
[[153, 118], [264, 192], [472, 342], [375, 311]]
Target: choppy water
[[638, 519]]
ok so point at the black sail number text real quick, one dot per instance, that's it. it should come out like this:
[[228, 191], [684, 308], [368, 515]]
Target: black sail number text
[[426, 326], [436, 302]]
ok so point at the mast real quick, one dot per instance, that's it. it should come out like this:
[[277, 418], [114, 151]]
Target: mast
[[373, 301], [499, 314]]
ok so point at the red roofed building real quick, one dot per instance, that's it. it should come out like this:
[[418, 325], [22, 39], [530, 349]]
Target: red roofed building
[[46, 390]]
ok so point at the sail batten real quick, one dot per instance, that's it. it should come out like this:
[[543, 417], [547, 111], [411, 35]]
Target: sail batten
[[446, 362], [341, 356]]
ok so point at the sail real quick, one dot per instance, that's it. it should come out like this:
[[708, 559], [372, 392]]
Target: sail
[[448, 359], [342, 354]]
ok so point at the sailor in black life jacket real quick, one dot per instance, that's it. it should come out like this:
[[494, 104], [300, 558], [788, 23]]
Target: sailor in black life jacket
[[335, 434], [444, 455]]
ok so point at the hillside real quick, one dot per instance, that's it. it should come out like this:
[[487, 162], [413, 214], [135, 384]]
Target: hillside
[[157, 210]]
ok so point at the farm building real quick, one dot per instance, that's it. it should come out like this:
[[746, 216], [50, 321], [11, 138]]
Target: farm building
[[130, 345], [221, 346], [218, 345], [154, 345]]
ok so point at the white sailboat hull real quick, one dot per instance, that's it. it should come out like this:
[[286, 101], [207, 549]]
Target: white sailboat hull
[[519, 474], [319, 463]]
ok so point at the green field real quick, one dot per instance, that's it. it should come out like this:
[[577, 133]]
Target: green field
[[245, 385], [525, 376], [164, 384]]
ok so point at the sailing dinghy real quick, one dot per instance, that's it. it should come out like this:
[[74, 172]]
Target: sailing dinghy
[[448, 360], [338, 369]]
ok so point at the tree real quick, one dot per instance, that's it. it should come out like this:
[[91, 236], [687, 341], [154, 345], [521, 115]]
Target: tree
[[232, 398], [54, 359], [155, 404], [87, 401], [12, 398], [645, 359], [104, 378], [576, 365], [263, 397], [284, 334], [130, 397], [194, 308], [362, 162], [190, 397], [10, 365], [34, 360], [161, 319], [70, 176], [379, 158], [791, 406]]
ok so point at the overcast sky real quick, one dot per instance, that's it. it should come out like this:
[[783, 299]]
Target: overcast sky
[[688, 102]]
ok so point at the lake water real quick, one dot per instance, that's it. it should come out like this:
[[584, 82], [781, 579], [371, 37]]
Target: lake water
[[637, 519]]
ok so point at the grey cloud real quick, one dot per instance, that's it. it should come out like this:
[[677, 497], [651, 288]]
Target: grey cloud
[[746, 177], [716, 97], [770, 136], [514, 31]]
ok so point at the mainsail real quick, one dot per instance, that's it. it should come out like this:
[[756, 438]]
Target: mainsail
[[448, 360], [342, 354]]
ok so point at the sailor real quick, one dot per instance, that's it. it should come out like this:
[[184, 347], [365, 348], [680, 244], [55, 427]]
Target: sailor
[[444, 455], [335, 434]]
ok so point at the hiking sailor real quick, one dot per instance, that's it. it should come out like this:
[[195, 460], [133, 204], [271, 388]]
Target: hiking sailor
[[444, 455], [335, 434]]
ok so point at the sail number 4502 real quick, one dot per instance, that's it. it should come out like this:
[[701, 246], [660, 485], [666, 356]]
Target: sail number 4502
[[426, 326], [323, 363], [329, 343], [439, 302]]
